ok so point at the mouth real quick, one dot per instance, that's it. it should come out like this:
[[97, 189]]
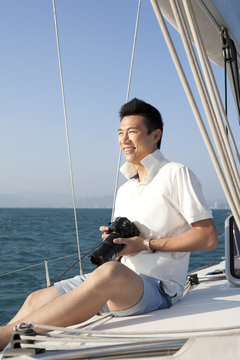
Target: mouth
[[128, 150]]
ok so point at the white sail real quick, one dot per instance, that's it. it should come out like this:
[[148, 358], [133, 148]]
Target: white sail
[[211, 16]]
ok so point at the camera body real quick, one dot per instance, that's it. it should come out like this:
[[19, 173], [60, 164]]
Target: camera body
[[120, 228]]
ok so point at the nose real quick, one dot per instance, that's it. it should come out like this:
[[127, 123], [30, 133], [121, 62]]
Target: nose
[[124, 138]]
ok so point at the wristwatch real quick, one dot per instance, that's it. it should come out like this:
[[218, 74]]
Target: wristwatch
[[148, 245]]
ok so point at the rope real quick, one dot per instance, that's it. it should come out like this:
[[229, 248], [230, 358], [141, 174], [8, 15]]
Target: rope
[[218, 110], [67, 135], [229, 193], [103, 334], [127, 98], [216, 122]]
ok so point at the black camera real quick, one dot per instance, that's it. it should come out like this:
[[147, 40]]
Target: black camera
[[120, 228]]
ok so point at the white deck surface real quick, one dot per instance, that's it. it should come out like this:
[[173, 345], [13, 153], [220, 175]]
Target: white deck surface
[[209, 305], [204, 318]]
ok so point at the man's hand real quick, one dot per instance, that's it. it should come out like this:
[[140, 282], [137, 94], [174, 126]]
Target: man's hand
[[104, 229], [132, 245]]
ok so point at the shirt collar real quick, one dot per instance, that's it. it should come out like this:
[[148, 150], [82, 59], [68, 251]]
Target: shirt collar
[[152, 163]]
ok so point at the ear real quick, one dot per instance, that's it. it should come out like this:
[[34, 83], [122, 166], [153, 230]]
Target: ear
[[157, 135]]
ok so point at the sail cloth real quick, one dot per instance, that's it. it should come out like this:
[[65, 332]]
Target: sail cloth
[[212, 15]]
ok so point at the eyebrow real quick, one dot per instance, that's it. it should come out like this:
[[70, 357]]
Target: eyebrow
[[131, 127]]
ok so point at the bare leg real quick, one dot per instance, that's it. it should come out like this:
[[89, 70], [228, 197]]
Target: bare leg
[[34, 302], [111, 283]]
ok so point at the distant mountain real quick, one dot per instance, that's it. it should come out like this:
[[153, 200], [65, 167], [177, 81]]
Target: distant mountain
[[98, 202], [44, 200]]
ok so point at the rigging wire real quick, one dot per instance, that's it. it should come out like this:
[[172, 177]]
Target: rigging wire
[[75, 262], [127, 98], [53, 260], [216, 124], [67, 135], [233, 202]]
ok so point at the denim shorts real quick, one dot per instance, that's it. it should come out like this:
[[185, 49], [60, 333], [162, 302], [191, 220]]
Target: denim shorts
[[154, 296]]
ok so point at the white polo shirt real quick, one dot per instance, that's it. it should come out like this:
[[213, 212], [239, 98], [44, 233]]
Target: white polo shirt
[[162, 205]]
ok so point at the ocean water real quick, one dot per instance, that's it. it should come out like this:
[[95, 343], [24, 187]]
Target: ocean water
[[28, 237]]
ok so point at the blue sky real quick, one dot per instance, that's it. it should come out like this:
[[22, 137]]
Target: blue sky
[[96, 43]]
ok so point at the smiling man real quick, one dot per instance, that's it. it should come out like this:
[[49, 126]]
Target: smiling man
[[165, 201], [137, 141]]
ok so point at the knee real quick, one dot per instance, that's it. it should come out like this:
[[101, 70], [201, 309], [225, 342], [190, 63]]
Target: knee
[[38, 298], [31, 300], [111, 271]]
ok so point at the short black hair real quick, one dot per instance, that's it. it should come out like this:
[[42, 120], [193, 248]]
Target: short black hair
[[152, 117]]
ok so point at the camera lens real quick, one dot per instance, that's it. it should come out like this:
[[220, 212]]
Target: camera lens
[[106, 250]]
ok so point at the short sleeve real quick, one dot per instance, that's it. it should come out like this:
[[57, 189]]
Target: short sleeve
[[187, 196]]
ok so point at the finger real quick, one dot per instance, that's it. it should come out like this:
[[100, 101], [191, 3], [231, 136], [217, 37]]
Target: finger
[[104, 228], [104, 236], [120, 241]]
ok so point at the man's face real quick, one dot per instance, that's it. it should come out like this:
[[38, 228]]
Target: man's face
[[134, 139]]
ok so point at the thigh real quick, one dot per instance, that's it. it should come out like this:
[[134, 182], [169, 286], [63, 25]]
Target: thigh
[[123, 286], [153, 298]]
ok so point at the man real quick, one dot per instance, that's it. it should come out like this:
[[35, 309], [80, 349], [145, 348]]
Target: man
[[165, 201]]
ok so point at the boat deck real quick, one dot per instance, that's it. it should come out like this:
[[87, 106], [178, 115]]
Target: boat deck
[[212, 304], [200, 322]]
